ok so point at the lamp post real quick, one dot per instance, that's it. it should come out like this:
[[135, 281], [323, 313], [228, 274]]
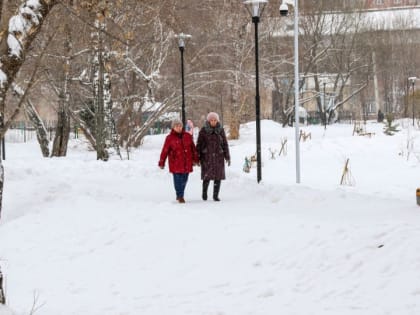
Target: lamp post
[[413, 83], [325, 107], [283, 12], [255, 9], [3, 140], [181, 44]]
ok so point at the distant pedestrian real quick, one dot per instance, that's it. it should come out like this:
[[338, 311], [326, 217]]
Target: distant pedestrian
[[381, 116], [189, 127], [213, 151], [181, 152]]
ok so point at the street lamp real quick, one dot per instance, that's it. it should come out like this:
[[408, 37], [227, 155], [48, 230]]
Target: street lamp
[[256, 8], [413, 83], [181, 44], [283, 12]]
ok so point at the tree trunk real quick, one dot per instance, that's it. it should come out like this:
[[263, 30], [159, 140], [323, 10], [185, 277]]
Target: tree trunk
[[98, 89], [62, 131], [111, 129], [281, 114], [235, 112], [41, 131]]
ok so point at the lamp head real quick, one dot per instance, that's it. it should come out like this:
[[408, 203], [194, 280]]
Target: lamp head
[[255, 7], [181, 39], [181, 43], [284, 9]]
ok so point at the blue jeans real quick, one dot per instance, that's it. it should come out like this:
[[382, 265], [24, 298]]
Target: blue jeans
[[180, 181]]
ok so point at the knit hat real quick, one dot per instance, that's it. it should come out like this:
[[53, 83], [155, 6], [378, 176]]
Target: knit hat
[[212, 115], [176, 122]]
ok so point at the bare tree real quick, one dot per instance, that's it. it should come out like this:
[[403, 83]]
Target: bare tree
[[331, 44], [141, 75], [396, 52]]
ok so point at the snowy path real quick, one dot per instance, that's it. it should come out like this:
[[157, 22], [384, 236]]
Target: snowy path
[[109, 239]]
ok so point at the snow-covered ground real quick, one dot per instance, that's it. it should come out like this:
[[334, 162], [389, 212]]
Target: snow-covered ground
[[83, 237]]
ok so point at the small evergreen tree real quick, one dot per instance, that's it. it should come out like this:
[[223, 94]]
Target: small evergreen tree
[[390, 128]]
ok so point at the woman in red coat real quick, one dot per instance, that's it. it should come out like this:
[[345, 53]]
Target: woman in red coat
[[180, 150]]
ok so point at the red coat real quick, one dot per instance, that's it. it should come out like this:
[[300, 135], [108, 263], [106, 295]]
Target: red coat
[[181, 152]]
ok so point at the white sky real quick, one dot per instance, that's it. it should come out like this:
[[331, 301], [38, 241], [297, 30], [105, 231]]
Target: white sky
[[94, 238]]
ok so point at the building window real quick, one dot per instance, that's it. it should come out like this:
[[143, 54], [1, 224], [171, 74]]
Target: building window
[[370, 108], [397, 1], [379, 2], [412, 1]]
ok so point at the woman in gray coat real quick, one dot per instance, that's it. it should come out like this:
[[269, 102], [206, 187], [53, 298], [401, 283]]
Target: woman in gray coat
[[213, 151]]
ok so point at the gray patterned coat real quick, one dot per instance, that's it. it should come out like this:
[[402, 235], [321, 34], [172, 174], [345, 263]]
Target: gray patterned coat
[[213, 150]]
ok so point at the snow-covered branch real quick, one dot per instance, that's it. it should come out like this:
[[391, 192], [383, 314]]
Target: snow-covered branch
[[23, 27]]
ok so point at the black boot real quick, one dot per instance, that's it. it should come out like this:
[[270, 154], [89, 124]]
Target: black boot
[[216, 189], [205, 187]]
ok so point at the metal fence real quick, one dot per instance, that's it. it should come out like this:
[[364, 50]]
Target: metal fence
[[23, 131]]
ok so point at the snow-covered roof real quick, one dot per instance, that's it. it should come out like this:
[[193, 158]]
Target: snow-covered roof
[[395, 19], [151, 107], [404, 18]]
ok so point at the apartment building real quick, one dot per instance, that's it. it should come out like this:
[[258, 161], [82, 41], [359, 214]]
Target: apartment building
[[389, 4]]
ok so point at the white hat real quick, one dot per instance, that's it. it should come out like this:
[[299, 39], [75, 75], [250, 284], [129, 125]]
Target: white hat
[[212, 115]]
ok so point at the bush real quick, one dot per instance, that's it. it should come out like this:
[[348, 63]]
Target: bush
[[390, 129]]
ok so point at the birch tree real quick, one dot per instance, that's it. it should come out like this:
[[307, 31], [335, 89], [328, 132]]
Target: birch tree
[[62, 131], [105, 129], [23, 28], [98, 87]]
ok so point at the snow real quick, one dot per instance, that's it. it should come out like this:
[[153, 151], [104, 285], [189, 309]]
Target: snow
[[19, 25], [89, 237], [15, 48], [3, 78], [33, 4], [5, 310]]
